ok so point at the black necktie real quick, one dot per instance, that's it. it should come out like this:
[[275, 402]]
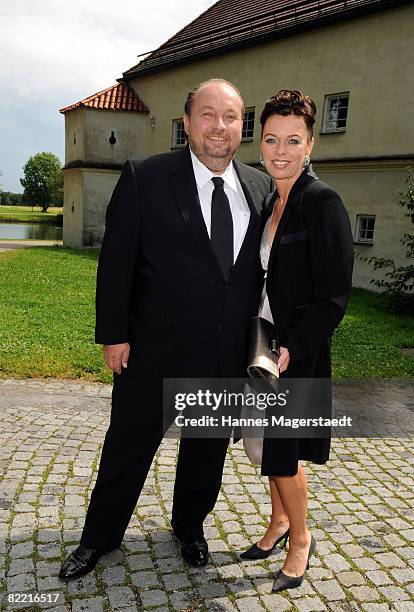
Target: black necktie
[[221, 226]]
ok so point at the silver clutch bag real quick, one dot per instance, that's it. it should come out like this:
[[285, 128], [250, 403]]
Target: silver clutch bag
[[263, 356], [262, 367], [253, 447], [252, 435]]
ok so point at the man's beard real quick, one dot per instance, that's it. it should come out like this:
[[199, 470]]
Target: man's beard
[[214, 161]]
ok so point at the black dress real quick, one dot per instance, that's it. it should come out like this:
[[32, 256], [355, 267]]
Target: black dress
[[308, 284]]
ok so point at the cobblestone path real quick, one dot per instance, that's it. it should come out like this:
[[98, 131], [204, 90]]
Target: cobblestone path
[[361, 512]]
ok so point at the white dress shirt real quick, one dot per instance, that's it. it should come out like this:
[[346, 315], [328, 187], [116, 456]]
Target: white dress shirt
[[239, 208]]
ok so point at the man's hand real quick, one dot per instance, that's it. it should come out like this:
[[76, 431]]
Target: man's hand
[[116, 355], [284, 359]]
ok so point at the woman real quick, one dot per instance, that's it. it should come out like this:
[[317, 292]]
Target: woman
[[307, 249]]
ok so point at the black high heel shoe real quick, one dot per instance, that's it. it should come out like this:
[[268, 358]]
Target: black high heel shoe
[[284, 582], [254, 552]]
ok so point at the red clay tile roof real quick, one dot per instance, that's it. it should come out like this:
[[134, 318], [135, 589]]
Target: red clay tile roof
[[119, 97], [233, 24]]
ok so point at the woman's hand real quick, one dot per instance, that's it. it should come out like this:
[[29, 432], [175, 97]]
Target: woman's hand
[[284, 359]]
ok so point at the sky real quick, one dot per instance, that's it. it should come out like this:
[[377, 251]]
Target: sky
[[56, 52]]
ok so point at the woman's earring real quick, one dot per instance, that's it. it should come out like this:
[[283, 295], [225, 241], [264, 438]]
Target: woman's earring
[[306, 162], [261, 160]]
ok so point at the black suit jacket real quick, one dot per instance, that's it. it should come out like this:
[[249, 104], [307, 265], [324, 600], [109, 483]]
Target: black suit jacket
[[159, 285], [310, 272]]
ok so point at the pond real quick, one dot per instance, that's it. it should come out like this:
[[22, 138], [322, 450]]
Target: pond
[[32, 231]]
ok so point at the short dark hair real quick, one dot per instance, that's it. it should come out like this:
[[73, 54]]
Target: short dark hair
[[192, 94], [290, 102]]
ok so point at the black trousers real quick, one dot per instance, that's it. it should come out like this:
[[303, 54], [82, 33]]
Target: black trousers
[[133, 437]]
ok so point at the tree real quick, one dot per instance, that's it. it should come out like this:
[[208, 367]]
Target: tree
[[43, 180], [7, 198], [398, 283]]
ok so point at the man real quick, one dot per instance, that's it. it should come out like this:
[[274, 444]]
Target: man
[[178, 281]]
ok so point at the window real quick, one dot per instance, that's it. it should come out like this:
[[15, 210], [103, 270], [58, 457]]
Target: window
[[335, 113], [178, 134], [248, 124], [365, 229]]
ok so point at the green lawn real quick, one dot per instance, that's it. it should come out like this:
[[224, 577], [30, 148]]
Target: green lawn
[[24, 214], [47, 299], [47, 314], [367, 343]]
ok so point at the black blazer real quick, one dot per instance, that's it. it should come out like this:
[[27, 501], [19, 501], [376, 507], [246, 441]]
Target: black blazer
[[159, 285], [310, 272]]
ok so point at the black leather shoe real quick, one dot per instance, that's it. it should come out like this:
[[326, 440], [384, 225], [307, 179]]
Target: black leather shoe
[[284, 582], [194, 553], [80, 562], [255, 552]]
